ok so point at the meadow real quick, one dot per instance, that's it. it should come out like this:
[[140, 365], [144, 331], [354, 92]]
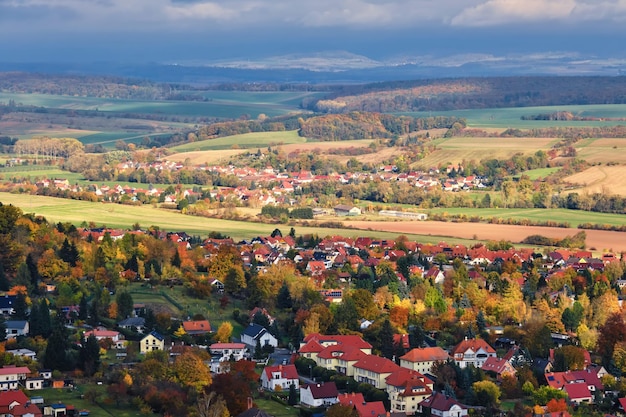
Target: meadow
[[456, 149], [245, 141], [510, 117], [124, 217]]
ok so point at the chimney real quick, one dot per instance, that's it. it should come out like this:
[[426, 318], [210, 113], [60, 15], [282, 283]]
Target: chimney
[[249, 403]]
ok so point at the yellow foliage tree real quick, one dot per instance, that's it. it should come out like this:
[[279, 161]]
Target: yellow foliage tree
[[224, 332], [191, 371], [113, 310], [180, 332]]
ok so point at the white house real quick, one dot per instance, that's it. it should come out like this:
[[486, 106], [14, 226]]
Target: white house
[[11, 376], [279, 377], [17, 328], [472, 352], [228, 351], [254, 333], [442, 406], [319, 395]]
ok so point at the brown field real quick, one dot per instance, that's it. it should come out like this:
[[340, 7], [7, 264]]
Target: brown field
[[209, 157], [602, 150], [455, 150], [597, 240], [321, 148], [600, 179]]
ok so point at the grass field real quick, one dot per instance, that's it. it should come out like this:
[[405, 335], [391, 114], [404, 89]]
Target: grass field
[[455, 150], [574, 217], [535, 174], [221, 104], [121, 216], [73, 397], [511, 117], [245, 141]]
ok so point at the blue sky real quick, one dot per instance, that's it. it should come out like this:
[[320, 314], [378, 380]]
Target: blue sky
[[171, 30]]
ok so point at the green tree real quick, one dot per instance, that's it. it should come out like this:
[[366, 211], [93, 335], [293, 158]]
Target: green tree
[[487, 394], [386, 340], [89, 355], [20, 308], [125, 304], [283, 300], [293, 394], [56, 355], [3, 329], [235, 280]]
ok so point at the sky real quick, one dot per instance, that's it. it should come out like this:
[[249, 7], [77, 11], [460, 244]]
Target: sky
[[200, 30]]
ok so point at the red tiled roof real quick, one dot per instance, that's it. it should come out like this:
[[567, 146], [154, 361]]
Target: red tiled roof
[[429, 354], [473, 344], [286, 371], [376, 364], [577, 391], [197, 326]]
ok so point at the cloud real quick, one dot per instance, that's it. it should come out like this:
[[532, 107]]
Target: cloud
[[502, 12]]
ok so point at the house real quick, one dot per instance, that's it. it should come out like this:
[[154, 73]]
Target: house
[[55, 410], [578, 393], [228, 351], [15, 403], [498, 366], [136, 324], [423, 359], [472, 352], [365, 409], [151, 342], [12, 376], [373, 370], [255, 333], [196, 327], [279, 377], [406, 389], [34, 383], [6, 304], [442, 406], [112, 336], [24, 353], [345, 210], [17, 328], [319, 395], [340, 358]]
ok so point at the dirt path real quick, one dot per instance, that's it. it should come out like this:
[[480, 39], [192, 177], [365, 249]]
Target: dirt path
[[597, 240]]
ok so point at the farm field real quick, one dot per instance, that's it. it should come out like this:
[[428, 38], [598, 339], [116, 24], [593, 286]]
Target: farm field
[[220, 104], [602, 150], [288, 143], [573, 217], [455, 150], [505, 118], [535, 174], [121, 216], [599, 179], [597, 240], [244, 141]]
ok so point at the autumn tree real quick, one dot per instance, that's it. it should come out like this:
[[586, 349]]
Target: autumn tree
[[191, 371], [612, 332], [340, 410], [224, 332], [235, 280], [487, 394], [210, 404]]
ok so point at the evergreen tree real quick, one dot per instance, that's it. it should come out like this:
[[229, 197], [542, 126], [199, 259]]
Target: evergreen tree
[[292, 232], [284, 297], [20, 308], [83, 308], [68, 252], [150, 320], [480, 321], [89, 355], [293, 395], [45, 321], [4, 281], [386, 340], [31, 263], [176, 261], [125, 305], [133, 263], [416, 336], [56, 356], [34, 322], [3, 329]]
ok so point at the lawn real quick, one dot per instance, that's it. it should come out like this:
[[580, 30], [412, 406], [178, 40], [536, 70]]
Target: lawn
[[276, 409], [535, 174], [73, 397]]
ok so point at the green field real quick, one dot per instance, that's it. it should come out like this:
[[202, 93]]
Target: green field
[[247, 140], [573, 217], [220, 104], [511, 117], [74, 397], [122, 216], [535, 174]]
